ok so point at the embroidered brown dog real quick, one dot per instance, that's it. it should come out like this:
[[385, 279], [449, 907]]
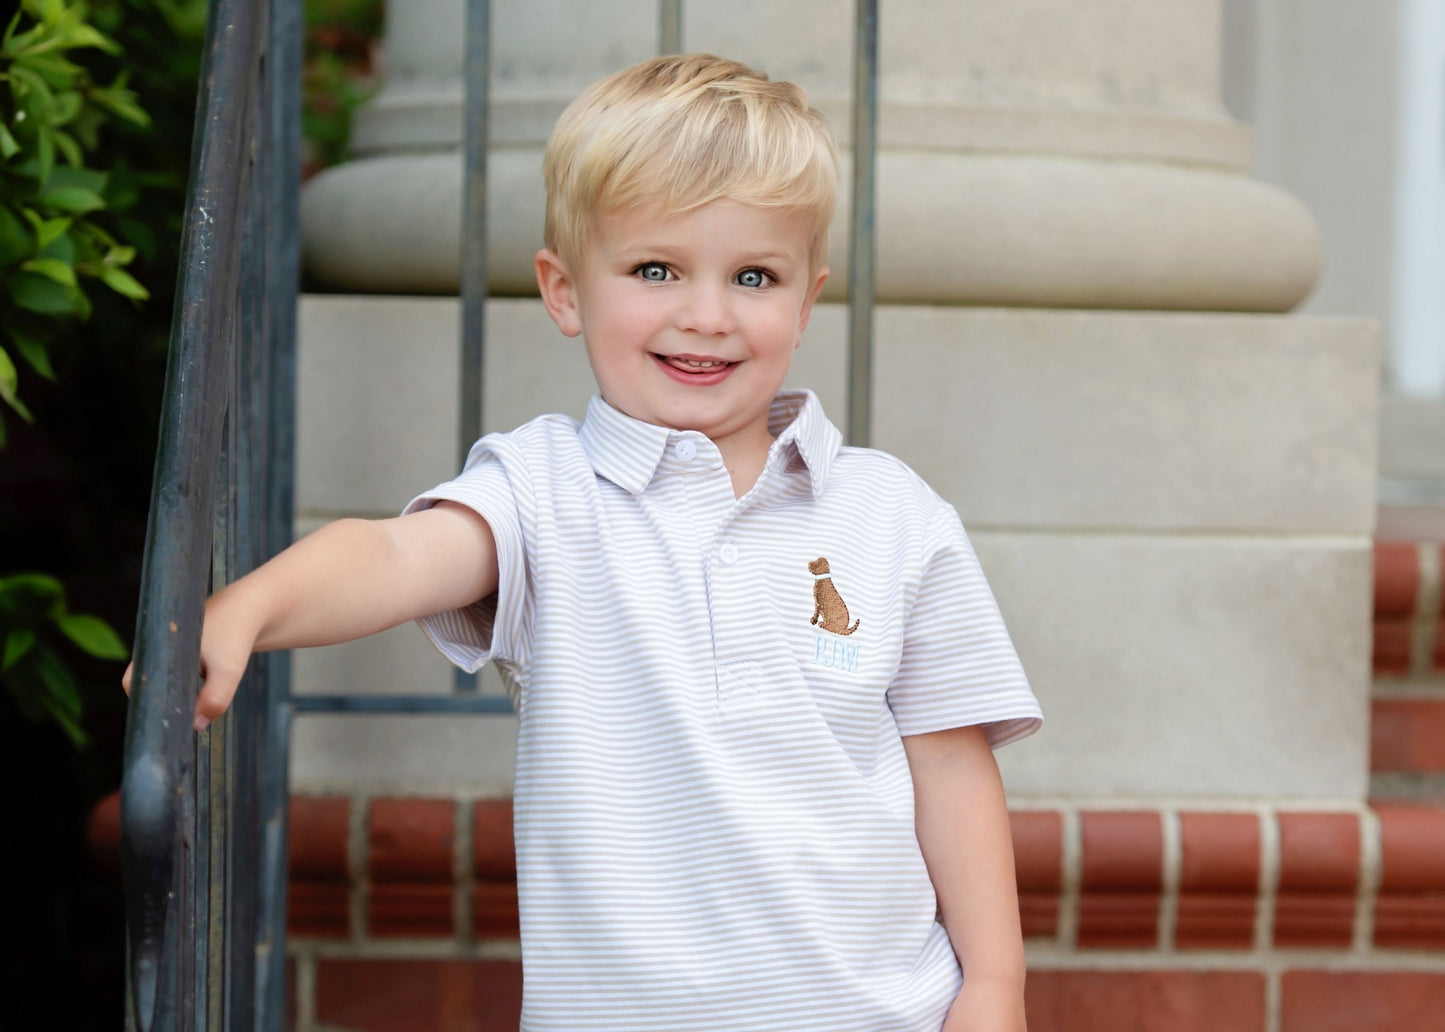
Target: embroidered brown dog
[[827, 603]]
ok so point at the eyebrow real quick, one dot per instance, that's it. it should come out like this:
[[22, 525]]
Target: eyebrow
[[639, 252]]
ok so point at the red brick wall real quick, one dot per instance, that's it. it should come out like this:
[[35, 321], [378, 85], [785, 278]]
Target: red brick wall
[[403, 911]]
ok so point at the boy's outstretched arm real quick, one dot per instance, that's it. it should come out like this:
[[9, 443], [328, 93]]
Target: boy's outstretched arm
[[349, 579], [963, 829]]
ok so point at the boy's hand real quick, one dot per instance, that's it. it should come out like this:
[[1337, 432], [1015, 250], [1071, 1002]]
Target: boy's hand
[[986, 1007], [228, 637], [227, 640]]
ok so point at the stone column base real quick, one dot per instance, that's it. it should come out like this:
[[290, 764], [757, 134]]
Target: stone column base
[[1175, 512]]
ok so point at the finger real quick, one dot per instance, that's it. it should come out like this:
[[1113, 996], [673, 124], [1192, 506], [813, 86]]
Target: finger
[[217, 691], [125, 677]]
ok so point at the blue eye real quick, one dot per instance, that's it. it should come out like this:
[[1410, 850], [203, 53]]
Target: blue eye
[[753, 278], [654, 272]]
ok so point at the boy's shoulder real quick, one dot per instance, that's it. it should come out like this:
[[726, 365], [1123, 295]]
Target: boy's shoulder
[[883, 477], [541, 433]]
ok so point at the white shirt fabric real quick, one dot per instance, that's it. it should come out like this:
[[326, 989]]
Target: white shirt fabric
[[714, 812]]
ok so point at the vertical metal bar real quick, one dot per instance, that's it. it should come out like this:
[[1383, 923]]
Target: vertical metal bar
[[861, 243], [669, 26], [282, 261], [161, 852], [474, 244]]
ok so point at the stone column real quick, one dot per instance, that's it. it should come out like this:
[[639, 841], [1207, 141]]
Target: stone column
[[1038, 153], [1173, 498], [389, 221]]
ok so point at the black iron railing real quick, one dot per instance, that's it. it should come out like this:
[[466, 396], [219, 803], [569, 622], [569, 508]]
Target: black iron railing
[[204, 816]]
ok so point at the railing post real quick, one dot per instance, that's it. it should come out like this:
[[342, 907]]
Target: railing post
[[190, 842], [282, 261], [861, 244]]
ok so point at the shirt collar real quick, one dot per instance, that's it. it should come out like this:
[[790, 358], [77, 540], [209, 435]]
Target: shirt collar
[[628, 451]]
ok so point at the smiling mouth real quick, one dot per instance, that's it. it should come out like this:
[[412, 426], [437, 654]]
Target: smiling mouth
[[693, 365]]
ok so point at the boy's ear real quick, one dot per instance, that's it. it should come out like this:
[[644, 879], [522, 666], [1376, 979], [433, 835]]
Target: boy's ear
[[813, 292], [559, 293]]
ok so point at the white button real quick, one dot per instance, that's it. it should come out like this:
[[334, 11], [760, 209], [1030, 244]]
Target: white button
[[686, 450], [728, 553]]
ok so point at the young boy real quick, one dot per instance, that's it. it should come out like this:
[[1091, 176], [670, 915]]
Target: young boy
[[758, 674]]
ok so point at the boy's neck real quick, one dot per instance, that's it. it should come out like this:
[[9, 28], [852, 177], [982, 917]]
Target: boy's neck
[[745, 459]]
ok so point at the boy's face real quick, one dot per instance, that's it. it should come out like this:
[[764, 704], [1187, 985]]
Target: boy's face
[[690, 320]]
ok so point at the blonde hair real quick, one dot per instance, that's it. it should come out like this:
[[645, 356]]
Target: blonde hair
[[681, 132]]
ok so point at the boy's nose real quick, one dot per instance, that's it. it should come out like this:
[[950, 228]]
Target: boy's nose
[[706, 310]]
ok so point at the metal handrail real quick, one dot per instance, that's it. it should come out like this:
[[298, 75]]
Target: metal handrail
[[179, 792]]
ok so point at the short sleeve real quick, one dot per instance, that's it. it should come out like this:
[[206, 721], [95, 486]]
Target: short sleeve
[[495, 628], [958, 666]]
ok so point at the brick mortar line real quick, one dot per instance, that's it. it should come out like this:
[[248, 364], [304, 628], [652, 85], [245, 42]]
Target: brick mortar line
[[1203, 804], [358, 859], [420, 790], [1409, 689], [1427, 611], [1414, 786], [1071, 853], [1171, 861], [1047, 957], [1371, 875], [412, 949], [305, 988], [1043, 955], [1267, 889], [462, 880], [1273, 1001]]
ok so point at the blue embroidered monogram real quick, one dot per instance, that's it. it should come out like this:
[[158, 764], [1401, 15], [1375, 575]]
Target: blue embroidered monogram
[[835, 653]]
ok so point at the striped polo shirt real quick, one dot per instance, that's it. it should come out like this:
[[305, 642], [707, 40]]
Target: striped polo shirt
[[714, 813]]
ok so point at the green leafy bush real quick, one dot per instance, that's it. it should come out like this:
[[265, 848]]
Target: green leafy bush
[[57, 237], [32, 616], [341, 39], [51, 237]]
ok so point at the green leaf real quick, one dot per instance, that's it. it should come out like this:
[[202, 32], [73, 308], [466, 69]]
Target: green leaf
[[120, 255], [68, 723], [93, 636], [17, 643], [8, 147], [10, 32], [9, 382], [32, 349], [46, 230], [72, 198], [58, 680], [67, 106], [68, 147], [15, 240], [127, 109], [62, 247], [55, 69], [31, 83], [37, 597], [90, 233], [90, 179], [44, 155], [38, 294], [123, 283], [83, 35], [53, 268]]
